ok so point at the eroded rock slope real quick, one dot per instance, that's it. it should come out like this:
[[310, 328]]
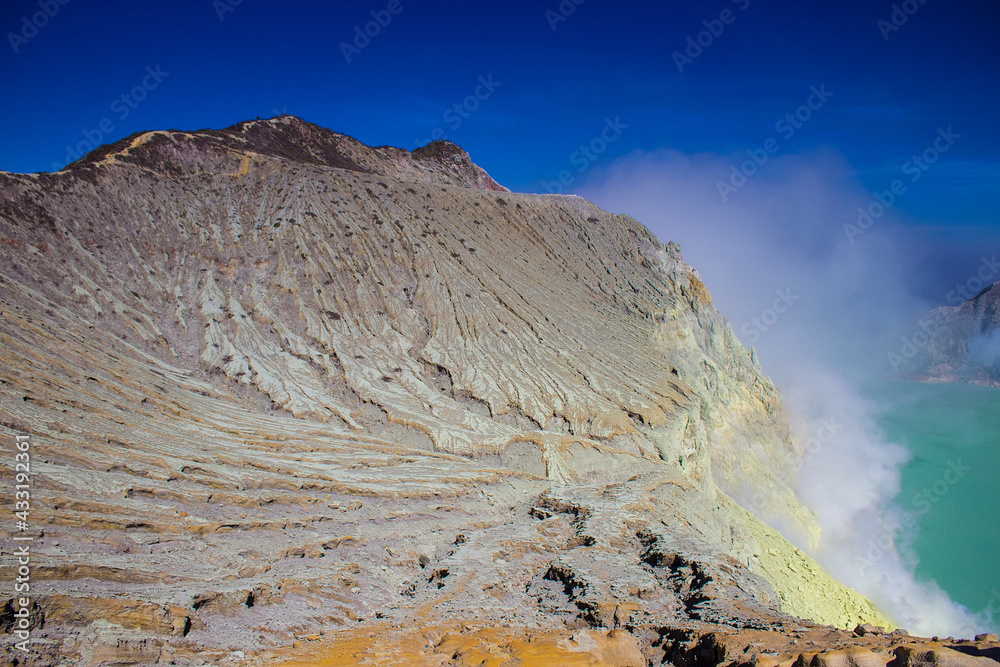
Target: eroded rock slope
[[282, 385]]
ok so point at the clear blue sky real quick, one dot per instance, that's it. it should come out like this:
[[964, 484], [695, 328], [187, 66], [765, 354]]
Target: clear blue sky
[[230, 60]]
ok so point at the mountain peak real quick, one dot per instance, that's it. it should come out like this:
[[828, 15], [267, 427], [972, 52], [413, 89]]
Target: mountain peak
[[232, 149]]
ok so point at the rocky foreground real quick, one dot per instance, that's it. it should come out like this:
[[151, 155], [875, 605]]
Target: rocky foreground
[[292, 400]]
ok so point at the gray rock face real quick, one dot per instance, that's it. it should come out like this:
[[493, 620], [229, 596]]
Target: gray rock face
[[963, 344], [278, 383]]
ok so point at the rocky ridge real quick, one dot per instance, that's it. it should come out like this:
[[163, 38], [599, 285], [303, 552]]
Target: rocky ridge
[[287, 393]]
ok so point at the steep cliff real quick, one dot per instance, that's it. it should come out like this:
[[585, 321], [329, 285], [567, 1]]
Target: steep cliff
[[279, 383], [956, 343]]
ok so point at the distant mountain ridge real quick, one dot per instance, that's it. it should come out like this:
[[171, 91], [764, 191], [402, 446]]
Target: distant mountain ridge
[[961, 343]]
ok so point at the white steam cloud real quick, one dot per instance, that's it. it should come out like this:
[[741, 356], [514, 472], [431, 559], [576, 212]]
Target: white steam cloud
[[822, 310], [985, 351]]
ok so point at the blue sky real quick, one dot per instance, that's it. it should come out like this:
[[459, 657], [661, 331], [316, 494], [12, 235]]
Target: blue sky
[[558, 75]]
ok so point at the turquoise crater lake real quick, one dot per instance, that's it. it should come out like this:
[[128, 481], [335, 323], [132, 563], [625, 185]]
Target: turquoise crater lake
[[950, 485]]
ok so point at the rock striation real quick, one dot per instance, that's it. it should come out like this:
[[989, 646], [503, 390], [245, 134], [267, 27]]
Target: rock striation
[[296, 400]]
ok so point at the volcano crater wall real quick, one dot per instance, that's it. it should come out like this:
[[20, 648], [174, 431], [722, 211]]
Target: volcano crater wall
[[278, 382]]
